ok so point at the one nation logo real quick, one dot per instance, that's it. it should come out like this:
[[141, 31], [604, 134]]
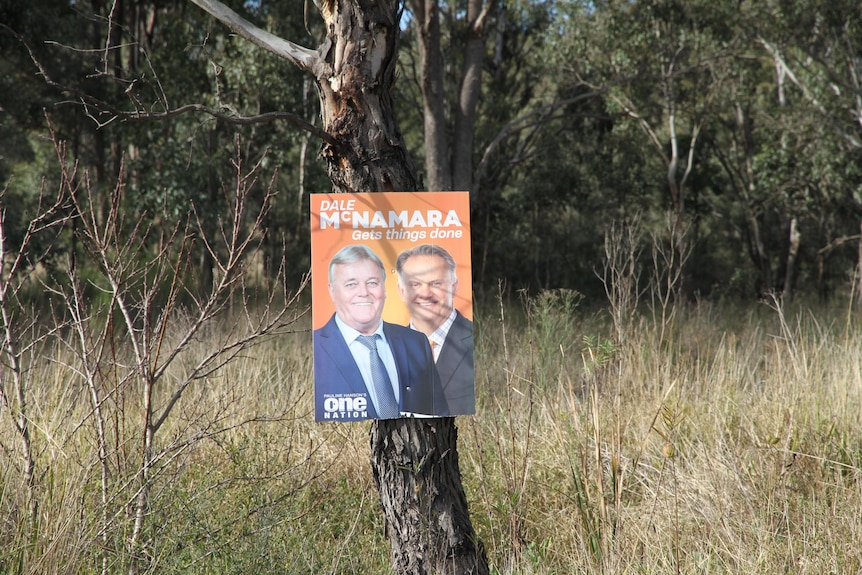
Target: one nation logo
[[345, 407]]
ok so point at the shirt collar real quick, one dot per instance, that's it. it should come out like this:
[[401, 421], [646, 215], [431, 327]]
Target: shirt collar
[[350, 334], [438, 336]]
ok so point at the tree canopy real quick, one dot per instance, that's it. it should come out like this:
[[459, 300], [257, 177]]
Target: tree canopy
[[740, 123]]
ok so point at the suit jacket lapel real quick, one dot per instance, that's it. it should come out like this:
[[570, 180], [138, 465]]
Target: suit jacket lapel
[[454, 350], [399, 353], [342, 359]]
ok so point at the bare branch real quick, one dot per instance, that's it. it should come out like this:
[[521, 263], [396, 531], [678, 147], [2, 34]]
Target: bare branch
[[104, 113], [302, 57], [534, 119]]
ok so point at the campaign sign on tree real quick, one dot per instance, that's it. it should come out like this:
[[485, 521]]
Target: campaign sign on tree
[[392, 305]]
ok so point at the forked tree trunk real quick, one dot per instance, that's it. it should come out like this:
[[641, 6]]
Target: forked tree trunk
[[449, 158], [414, 461], [468, 97], [437, 167]]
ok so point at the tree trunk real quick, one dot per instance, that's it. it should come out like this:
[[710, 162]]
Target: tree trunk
[[414, 461], [449, 167], [415, 464], [794, 238], [354, 81], [757, 250], [757, 246], [468, 98], [427, 16]]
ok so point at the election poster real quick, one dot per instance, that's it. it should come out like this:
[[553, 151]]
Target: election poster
[[392, 305]]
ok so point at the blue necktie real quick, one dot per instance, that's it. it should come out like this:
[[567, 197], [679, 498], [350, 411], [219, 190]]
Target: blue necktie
[[387, 406]]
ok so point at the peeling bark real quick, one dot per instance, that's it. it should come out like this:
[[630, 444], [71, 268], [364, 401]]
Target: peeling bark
[[354, 80]]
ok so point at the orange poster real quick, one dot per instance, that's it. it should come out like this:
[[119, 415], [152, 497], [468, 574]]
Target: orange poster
[[392, 305]]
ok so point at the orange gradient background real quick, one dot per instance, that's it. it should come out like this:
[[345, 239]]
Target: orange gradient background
[[325, 243]]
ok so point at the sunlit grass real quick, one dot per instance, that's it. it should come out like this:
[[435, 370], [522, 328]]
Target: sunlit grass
[[730, 444]]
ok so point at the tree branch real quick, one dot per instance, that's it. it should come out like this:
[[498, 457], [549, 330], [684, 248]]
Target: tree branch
[[302, 57], [103, 108], [812, 99], [532, 119], [290, 117]]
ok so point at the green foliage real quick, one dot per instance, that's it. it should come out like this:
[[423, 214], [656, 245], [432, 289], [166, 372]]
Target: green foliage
[[551, 321], [598, 352], [587, 508], [573, 127]]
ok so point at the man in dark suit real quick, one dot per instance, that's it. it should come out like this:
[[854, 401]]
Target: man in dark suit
[[365, 367], [428, 283]]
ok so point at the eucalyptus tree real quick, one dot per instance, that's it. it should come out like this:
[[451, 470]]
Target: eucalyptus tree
[[784, 136], [415, 461], [814, 47], [656, 62]]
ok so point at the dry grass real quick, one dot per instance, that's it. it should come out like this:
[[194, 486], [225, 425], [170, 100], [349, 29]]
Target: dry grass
[[730, 443], [728, 449]]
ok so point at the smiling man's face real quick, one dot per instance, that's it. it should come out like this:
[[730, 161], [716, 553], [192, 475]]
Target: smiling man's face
[[428, 288], [358, 291]]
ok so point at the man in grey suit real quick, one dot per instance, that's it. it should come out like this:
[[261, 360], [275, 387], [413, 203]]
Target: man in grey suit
[[428, 283]]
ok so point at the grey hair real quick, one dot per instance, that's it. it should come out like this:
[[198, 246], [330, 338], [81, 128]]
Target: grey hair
[[426, 250], [352, 254]]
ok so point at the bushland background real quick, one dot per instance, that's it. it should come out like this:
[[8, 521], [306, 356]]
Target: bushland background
[[666, 212]]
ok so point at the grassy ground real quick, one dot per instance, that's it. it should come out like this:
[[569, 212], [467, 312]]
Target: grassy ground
[[717, 441]]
